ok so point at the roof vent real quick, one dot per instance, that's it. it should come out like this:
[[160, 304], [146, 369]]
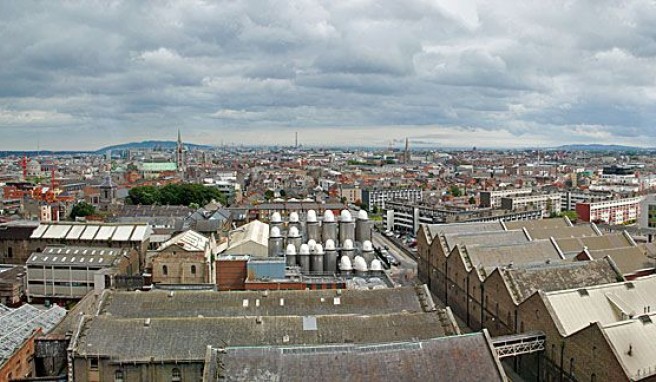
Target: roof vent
[[265, 293], [147, 322], [629, 285], [258, 320], [645, 319], [583, 292], [285, 339], [170, 293]]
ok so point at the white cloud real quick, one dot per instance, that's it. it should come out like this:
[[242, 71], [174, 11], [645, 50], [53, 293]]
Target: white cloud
[[486, 72]]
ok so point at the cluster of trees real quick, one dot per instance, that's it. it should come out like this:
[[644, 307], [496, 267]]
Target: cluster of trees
[[175, 194], [82, 209]]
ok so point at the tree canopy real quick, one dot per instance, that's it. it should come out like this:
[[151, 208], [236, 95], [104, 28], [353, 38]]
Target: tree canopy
[[175, 194], [82, 209]]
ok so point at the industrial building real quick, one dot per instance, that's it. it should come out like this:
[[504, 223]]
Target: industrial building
[[130, 334], [66, 273]]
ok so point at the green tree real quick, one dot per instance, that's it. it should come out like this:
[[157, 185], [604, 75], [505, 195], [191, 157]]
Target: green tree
[[455, 191], [283, 193], [82, 209], [176, 194], [472, 200], [268, 194], [374, 209], [571, 215]]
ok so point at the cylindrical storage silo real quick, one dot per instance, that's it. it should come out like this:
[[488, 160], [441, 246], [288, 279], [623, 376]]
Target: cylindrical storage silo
[[316, 258], [312, 226], [294, 221], [376, 267], [304, 258], [348, 250], [290, 255], [330, 257], [294, 238], [275, 242], [360, 266], [362, 227], [345, 266], [346, 227], [328, 227], [275, 221], [368, 251]]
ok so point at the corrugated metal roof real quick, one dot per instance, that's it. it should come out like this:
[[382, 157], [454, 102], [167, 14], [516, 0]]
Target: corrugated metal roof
[[75, 232], [56, 231], [635, 345], [575, 309], [123, 233], [189, 241], [39, 231], [89, 232], [105, 232]]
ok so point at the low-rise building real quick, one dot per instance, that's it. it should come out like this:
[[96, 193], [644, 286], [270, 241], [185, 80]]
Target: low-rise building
[[493, 198], [184, 259], [378, 197], [70, 272], [617, 211], [548, 203]]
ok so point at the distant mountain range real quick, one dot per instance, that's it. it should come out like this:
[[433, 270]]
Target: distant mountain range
[[598, 147], [149, 145]]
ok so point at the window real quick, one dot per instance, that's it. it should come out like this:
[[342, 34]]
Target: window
[[175, 375], [165, 270], [193, 269], [118, 376], [10, 252], [93, 365]]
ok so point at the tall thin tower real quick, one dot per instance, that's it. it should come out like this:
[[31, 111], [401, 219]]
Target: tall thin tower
[[179, 154], [296, 140], [406, 153]]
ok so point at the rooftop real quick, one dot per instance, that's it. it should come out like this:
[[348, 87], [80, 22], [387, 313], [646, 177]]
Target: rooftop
[[98, 257], [447, 357], [92, 232], [190, 241]]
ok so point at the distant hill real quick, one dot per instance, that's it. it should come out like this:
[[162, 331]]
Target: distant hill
[[598, 147], [146, 145]]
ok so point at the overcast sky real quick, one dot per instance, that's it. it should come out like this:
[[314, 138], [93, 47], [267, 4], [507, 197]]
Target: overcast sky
[[442, 72]]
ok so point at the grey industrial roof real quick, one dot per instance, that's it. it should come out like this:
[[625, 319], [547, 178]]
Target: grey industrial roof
[[538, 224], [93, 257], [593, 243], [103, 232], [253, 303], [17, 325], [627, 259], [486, 238], [524, 281], [490, 257], [585, 230], [131, 339], [436, 229], [459, 358]]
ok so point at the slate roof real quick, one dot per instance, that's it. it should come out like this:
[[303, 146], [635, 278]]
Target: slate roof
[[459, 358], [524, 281], [490, 257], [486, 238], [455, 228], [17, 325], [583, 230], [538, 224], [131, 339], [574, 245], [627, 259], [231, 304]]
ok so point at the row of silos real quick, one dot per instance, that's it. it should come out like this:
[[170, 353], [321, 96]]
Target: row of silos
[[328, 228]]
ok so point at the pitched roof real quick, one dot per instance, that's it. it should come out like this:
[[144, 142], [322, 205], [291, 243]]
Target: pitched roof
[[132, 339], [486, 238], [628, 259], [574, 245], [575, 309], [523, 281], [583, 230], [490, 257], [458, 358], [252, 303], [539, 224], [190, 241]]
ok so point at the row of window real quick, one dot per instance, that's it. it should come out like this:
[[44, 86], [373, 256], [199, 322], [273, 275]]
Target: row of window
[[119, 375], [61, 283], [165, 270]]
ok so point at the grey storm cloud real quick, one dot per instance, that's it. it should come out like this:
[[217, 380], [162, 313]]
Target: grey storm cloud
[[84, 74]]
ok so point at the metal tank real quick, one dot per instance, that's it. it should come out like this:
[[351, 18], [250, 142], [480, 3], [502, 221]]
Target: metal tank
[[290, 255], [348, 249], [312, 226], [275, 221], [345, 266], [294, 221], [362, 227], [346, 227], [360, 266], [330, 257], [316, 259], [294, 238], [276, 242], [368, 251], [303, 258], [328, 227]]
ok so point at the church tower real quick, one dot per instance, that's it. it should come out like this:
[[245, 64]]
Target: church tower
[[179, 154]]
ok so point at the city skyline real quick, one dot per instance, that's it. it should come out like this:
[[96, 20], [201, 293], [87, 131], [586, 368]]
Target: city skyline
[[449, 74]]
